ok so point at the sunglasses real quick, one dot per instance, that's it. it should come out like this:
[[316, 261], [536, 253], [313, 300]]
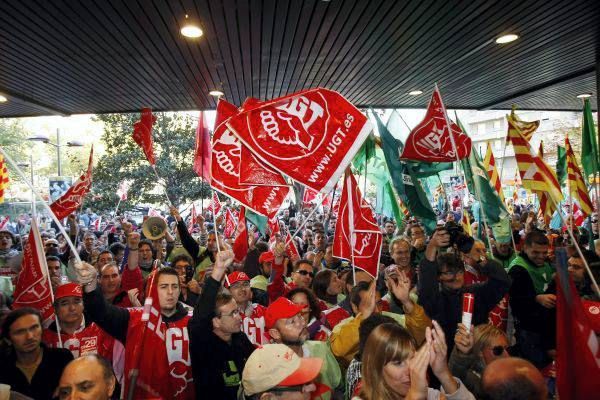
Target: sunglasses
[[499, 350], [304, 273]]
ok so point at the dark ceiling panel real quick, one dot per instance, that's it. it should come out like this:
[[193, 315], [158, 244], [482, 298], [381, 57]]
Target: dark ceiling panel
[[86, 56]]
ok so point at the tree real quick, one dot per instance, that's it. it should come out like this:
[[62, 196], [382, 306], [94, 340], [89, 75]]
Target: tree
[[174, 139]]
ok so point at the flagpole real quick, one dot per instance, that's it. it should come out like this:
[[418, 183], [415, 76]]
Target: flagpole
[[46, 206], [164, 186], [117, 207], [585, 263]]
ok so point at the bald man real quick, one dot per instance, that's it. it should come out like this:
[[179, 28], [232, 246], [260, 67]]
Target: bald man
[[87, 378], [513, 378]]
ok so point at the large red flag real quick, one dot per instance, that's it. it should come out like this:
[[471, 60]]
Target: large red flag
[[430, 140], [225, 170], [202, 154], [577, 346], [240, 245], [310, 136], [357, 236], [230, 224], [32, 288], [71, 201], [142, 134]]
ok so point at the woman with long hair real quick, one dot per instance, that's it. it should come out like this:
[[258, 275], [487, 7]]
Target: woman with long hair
[[392, 367]]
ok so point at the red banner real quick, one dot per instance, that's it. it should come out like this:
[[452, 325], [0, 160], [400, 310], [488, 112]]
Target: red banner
[[274, 229], [32, 288], [142, 134], [357, 236], [240, 245], [230, 224], [225, 170], [215, 205], [430, 140], [310, 136], [577, 346], [71, 201], [202, 153], [291, 249]]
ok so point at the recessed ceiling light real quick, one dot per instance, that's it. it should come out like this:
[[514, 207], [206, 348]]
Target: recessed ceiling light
[[511, 37], [584, 95], [216, 93], [3, 99], [191, 31], [415, 92]]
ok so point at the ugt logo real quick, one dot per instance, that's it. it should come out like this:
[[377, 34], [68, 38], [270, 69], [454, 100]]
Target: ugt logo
[[299, 123]]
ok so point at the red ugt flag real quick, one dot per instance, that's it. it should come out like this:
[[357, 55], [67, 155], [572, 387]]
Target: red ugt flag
[[357, 236], [71, 201], [33, 288], [240, 245], [215, 205], [430, 140], [290, 248], [577, 347], [142, 134], [193, 217], [123, 189], [230, 224], [264, 199], [310, 136], [202, 154]]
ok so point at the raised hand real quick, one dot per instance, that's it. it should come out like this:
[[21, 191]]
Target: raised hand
[[464, 339], [417, 367], [223, 260], [87, 275]]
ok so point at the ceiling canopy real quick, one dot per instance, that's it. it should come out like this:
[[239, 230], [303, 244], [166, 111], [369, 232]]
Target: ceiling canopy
[[70, 57]]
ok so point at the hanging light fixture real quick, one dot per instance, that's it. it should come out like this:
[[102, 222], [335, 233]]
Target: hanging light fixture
[[190, 29]]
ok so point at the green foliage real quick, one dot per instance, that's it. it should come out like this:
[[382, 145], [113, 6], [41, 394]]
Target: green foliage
[[174, 139], [13, 139]]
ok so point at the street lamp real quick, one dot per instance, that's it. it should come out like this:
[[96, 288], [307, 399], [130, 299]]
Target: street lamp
[[44, 139]]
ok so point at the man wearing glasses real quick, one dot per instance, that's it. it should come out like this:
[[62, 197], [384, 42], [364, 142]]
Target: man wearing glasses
[[442, 285], [253, 315], [218, 346]]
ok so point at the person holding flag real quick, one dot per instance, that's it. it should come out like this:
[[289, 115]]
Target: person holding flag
[[161, 326]]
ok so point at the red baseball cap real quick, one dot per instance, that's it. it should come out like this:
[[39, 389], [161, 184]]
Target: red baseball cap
[[266, 257], [68, 290], [234, 277], [281, 308]]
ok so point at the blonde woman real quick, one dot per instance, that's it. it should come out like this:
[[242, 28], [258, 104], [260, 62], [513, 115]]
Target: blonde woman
[[392, 367]]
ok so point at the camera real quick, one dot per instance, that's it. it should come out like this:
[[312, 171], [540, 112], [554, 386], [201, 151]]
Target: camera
[[458, 237]]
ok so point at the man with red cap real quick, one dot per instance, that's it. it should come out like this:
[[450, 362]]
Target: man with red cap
[[77, 334], [275, 371], [285, 324], [253, 320]]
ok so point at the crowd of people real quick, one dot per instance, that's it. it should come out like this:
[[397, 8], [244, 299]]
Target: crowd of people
[[277, 326]]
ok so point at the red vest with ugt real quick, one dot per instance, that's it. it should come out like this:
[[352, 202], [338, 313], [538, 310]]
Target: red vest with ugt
[[165, 368]]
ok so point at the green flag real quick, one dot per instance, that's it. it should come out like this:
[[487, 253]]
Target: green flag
[[424, 170], [479, 184], [366, 152], [257, 220], [404, 181], [387, 204], [561, 164], [589, 146]]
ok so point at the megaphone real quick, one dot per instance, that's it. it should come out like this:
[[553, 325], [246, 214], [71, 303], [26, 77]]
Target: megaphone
[[154, 228]]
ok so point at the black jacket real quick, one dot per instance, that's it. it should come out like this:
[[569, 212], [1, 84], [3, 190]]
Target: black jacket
[[445, 306], [217, 365], [46, 377]]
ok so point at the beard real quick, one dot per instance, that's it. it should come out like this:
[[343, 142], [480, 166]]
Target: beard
[[297, 341]]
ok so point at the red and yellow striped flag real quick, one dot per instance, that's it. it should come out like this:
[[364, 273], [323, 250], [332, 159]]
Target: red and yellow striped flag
[[466, 223], [546, 206], [536, 175], [577, 186], [527, 129], [490, 165], [3, 178]]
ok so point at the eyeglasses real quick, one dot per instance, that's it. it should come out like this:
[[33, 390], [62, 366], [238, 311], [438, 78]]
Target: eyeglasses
[[305, 272], [499, 350]]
